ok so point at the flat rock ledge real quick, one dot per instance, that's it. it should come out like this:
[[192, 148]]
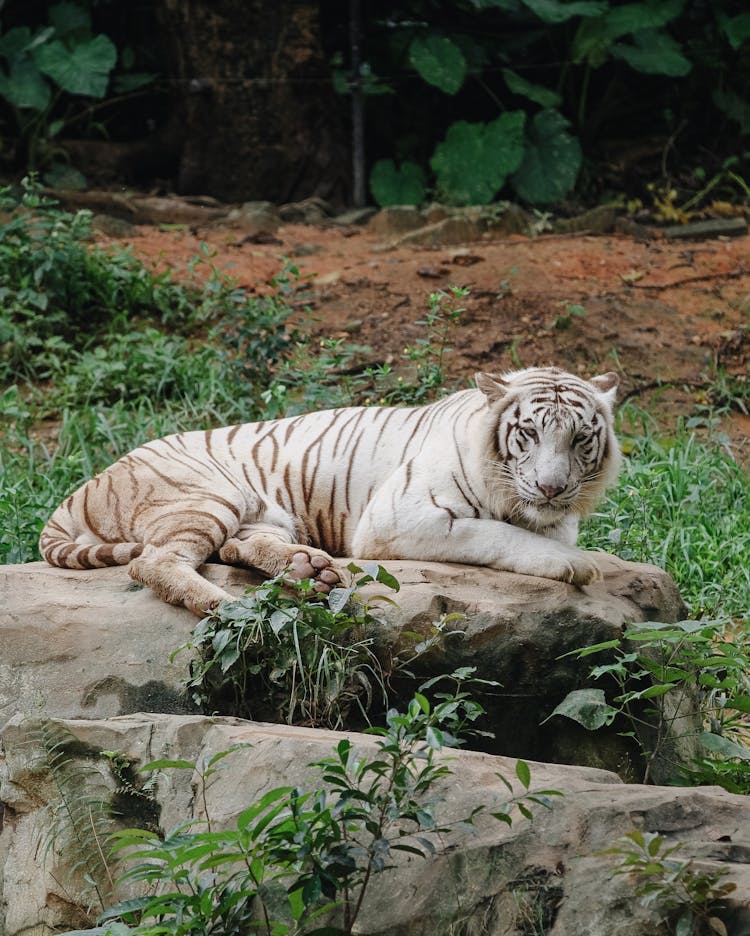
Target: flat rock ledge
[[485, 880], [93, 644]]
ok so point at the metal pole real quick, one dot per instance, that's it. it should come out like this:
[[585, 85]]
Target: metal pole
[[359, 192]]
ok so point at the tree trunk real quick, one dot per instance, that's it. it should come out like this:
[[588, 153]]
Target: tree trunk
[[253, 92]]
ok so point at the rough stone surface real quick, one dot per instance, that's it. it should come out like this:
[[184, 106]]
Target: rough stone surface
[[254, 218], [489, 879], [394, 220], [313, 210], [444, 226], [356, 216], [78, 644], [443, 233]]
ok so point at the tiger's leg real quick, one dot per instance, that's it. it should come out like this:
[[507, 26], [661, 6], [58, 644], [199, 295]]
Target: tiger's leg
[[178, 538], [272, 549], [170, 571]]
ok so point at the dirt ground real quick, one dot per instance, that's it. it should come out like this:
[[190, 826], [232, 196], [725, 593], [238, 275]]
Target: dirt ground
[[663, 314]]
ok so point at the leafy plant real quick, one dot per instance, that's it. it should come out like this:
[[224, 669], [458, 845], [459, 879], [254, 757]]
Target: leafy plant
[[41, 67], [426, 355], [288, 654], [563, 320], [439, 61], [551, 160], [493, 151], [294, 857], [79, 819], [690, 664], [392, 185], [556, 71], [687, 897]]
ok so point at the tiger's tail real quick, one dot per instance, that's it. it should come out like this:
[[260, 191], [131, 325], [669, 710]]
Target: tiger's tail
[[59, 547]]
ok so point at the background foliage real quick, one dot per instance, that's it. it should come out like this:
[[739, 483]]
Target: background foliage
[[529, 96], [465, 101]]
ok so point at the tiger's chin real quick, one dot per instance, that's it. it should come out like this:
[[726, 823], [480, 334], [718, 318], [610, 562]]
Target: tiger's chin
[[540, 515]]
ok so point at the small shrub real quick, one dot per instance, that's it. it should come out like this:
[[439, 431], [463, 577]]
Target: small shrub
[[296, 859], [284, 653], [688, 898]]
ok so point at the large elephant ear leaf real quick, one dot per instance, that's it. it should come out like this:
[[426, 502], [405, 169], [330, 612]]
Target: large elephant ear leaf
[[24, 85], [82, 68], [552, 159], [392, 185], [473, 162], [439, 61], [653, 53]]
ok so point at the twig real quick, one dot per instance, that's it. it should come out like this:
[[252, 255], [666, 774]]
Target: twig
[[659, 384], [704, 278]]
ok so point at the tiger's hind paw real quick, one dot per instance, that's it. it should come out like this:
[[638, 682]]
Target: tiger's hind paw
[[319, 568]]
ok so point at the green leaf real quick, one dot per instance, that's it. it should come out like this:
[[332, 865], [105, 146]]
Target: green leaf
[[132, 81], [475, 159], [582, 652], [737, 108], [423, 702], [534, 92], [523, 773], [82, 69], [594, 37], [555, 11], [634, 17], [385, 578], [724, 746], [685, 925], [551, 160], [654, 53], [61, 176], [588, 707], [337, 599], [740, 703], [69, 18], [390, 185], [25, 86], [735, 28], [434, 738], [439, 61], [653, 691], [503, 817], [17, 41], [279, 619]]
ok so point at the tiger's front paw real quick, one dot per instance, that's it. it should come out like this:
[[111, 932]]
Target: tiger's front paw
[[585, 572], [577, 569], [316, 566], [561, 563]]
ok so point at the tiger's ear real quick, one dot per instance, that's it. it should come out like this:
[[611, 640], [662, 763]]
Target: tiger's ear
[[493, 386], [607, 385]]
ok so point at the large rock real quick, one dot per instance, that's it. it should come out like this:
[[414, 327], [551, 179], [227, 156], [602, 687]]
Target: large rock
[[489, 879], [77, 644]]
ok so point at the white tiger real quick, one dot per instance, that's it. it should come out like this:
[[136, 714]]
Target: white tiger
[[496, 476]]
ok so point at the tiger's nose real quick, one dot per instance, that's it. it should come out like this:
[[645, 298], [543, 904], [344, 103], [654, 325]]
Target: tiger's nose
[[550, 490]]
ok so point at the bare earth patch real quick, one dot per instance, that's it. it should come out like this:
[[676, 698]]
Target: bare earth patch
[[660, 312]]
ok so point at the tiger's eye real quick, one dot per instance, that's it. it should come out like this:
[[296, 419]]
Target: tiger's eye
[[528, 432]]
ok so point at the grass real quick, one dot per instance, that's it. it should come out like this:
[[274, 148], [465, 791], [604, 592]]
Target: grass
[[682, 503]]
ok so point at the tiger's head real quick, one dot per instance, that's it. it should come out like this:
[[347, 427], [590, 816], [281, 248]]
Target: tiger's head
[[553, 449]]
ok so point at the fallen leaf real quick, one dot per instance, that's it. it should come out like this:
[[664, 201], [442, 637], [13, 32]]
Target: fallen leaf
[[631, 277]]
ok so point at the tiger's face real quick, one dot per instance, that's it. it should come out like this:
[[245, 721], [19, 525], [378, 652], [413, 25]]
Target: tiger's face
[[554, 445]]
